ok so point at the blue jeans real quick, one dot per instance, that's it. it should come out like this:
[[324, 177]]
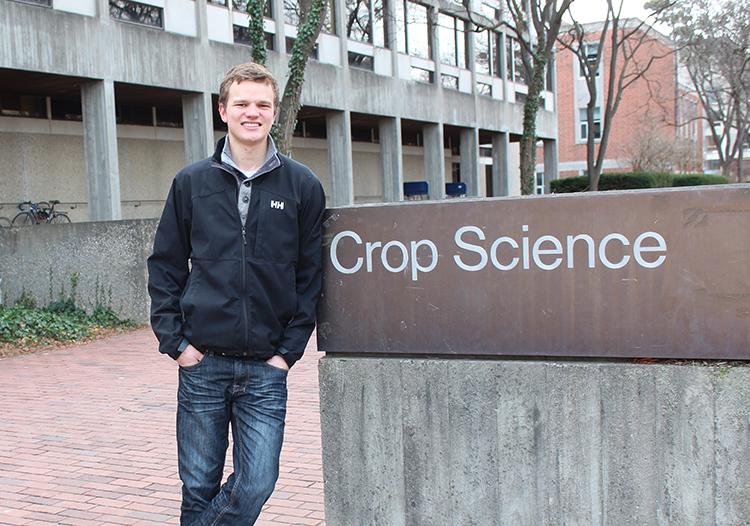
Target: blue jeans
[[214, 394]]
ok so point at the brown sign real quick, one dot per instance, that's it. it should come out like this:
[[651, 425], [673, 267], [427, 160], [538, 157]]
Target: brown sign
[[663, 274]]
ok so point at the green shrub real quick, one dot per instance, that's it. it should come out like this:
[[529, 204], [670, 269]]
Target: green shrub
[[698, 179], [631, 181], [61, 320]]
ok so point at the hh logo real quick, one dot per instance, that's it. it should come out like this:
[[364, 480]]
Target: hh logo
[[278, 205]]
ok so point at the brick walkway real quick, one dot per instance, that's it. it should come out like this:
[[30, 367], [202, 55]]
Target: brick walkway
[[87, 438]]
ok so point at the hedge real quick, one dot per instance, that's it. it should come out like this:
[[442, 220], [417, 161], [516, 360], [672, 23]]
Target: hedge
[[630, 181]]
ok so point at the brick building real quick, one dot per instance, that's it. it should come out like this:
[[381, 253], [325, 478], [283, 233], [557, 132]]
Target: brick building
[[657, 125]]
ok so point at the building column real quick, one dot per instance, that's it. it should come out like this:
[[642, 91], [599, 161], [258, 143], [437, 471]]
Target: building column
[[434, 160], [100, 149], [201, 20], [471, 172], [500, 165], [391, 159], [279, 38], [198, 126], [551, 171], [102, 10], [340, 166]]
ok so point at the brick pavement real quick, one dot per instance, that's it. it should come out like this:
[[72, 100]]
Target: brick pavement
[[87, 438]]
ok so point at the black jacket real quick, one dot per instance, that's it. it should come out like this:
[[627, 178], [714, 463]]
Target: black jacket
[[250, 290]]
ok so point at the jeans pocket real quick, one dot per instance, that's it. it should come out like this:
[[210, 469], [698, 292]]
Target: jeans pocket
[[193, 367], [274, 368]]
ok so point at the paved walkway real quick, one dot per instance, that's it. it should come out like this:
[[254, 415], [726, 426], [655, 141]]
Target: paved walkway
[[87, 438]]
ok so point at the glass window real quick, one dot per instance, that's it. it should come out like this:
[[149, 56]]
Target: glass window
[[218, 2], [12, 105], [487, 53], [290, 46], [417, 31], [365, 21], [169, 117], [591, 51], [358, 60], [140, 115], [482, 58], [585, 125], [422, 75], [358, 26], [241, 6], [136, 12], [484, 89], [242, 36], [508, 57], [292, 15], [66, 110], [519, 72], [452, 35], [539, 187], [47, 3], [449, 81]]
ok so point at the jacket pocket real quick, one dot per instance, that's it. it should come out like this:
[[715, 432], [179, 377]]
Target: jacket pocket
[[276, 238]]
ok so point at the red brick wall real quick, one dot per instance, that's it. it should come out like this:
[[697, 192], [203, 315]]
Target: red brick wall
[[648, 105]]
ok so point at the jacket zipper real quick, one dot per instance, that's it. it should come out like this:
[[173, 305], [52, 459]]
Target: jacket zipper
[[243, 262]]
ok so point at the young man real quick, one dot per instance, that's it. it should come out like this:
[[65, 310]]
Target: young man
[[248, 221]]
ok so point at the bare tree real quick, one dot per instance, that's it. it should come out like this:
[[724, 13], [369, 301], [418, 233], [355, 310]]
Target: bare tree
[[715, 46], [625, 38], [652, 150], [537, 25], [311, 17]]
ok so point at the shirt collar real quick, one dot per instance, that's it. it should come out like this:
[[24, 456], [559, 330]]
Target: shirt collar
[[272, 159]]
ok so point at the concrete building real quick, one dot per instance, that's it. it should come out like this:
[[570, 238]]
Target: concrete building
[[102, 101], [657, 125]]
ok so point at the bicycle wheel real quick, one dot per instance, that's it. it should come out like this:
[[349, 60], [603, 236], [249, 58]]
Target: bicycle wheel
[[24, 219], [59, 217]]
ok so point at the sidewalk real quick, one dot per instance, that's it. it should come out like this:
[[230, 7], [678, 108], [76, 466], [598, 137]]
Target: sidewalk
[[87, 438]]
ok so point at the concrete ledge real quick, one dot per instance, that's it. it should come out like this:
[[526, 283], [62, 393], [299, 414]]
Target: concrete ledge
[[41, 259], [489, 442]]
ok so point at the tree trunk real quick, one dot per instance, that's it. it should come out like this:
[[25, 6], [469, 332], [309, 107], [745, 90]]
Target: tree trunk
[[528, 139], [311, 22]]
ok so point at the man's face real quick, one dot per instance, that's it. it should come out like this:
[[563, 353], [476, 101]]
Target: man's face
[[249, 112]]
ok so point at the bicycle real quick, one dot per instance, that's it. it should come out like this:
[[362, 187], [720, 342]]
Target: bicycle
[[41, 212]]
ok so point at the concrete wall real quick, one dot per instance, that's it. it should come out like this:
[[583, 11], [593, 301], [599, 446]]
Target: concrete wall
[[482, 442], [115, 252]]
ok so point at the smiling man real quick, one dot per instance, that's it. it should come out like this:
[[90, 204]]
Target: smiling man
[[234, 279]]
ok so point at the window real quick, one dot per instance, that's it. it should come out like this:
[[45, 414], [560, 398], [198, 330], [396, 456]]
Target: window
[[452, 35], [358, 60], [66, 110], [292, 15], [484, 89], [422, 75], [487, 53], [365, 21], [242, 37], [129, 11], [585, 124], [32, 106], [241, 6], [218, 2], [539, 186], [591, 51], [449, 81], [514, 68], [290, 46], [46, 3], [413, 29]]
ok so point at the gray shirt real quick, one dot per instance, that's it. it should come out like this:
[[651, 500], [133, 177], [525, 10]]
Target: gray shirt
[[245, 186]]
